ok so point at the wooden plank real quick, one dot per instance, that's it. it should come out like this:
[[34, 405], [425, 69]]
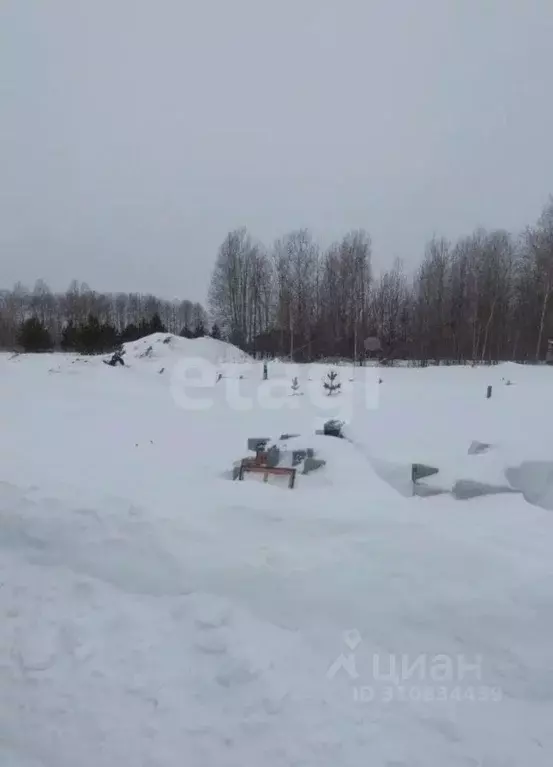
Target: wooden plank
[[268, 469], [247, 465]]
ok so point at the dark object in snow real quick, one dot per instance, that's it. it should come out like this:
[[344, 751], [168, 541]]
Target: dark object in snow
[[265, 371], [219, 376], [116, 359], [300, 455], [464, 489], [276, 461], [295, 385], [312, 464], [331, 385], [167, 340], [333, 428], [489, 393], [258, 443], [273, 456], [420, 470], [249, 465], [266, 463], [285, 437], [161, 370], [477, 448]]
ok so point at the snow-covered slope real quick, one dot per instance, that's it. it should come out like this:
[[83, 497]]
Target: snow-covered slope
[[166, 348], [155, 613], [148, 354]]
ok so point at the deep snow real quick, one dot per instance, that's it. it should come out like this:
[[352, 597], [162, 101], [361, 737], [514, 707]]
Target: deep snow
[[155, 613]]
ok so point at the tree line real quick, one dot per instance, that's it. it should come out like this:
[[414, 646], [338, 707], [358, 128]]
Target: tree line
[[485, 297], [89, 322]]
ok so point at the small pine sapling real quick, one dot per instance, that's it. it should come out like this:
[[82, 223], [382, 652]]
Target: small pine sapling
[[296, 387], [331, 385]]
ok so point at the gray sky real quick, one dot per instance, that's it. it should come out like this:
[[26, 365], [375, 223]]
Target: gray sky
[[135, 133]]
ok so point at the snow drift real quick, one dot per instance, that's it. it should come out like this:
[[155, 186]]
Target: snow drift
[[166, 348]]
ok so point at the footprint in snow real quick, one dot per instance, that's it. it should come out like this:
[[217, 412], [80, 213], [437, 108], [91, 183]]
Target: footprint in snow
[[236, 674], [37, 648], [212, 644], [212, 618]]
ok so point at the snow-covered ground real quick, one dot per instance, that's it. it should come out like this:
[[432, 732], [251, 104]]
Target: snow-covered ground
[[156, 614]]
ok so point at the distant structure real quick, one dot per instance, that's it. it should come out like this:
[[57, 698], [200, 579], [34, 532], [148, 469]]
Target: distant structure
[[549, 355]]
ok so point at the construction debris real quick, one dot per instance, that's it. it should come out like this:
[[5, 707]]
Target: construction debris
[[312, 464], [464, 489], [332, 428], [476, 448], [420, 470], [276, 459], [258, 443], [116, 359]]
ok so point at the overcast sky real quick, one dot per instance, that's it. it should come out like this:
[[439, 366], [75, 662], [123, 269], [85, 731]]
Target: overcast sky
[[135, 133]]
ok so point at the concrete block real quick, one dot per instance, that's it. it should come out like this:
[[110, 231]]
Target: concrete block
[[420, 470], [476, 448], [299, 455], [273, 456], [333, 428], [465, 489], [312, 464]]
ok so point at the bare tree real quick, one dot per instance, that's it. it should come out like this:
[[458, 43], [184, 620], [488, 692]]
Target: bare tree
[[538, 269], [484, 298], [390, 300], [56, 311], [237, 287], [295, 260]]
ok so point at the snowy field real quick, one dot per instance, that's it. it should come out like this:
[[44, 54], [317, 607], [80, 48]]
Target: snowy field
[[155, 613]]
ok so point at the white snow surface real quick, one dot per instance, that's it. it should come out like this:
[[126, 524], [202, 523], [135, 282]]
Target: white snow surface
[[156, 614]]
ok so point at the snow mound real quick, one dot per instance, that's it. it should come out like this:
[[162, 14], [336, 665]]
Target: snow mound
[[165, 347], [534, 479]]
